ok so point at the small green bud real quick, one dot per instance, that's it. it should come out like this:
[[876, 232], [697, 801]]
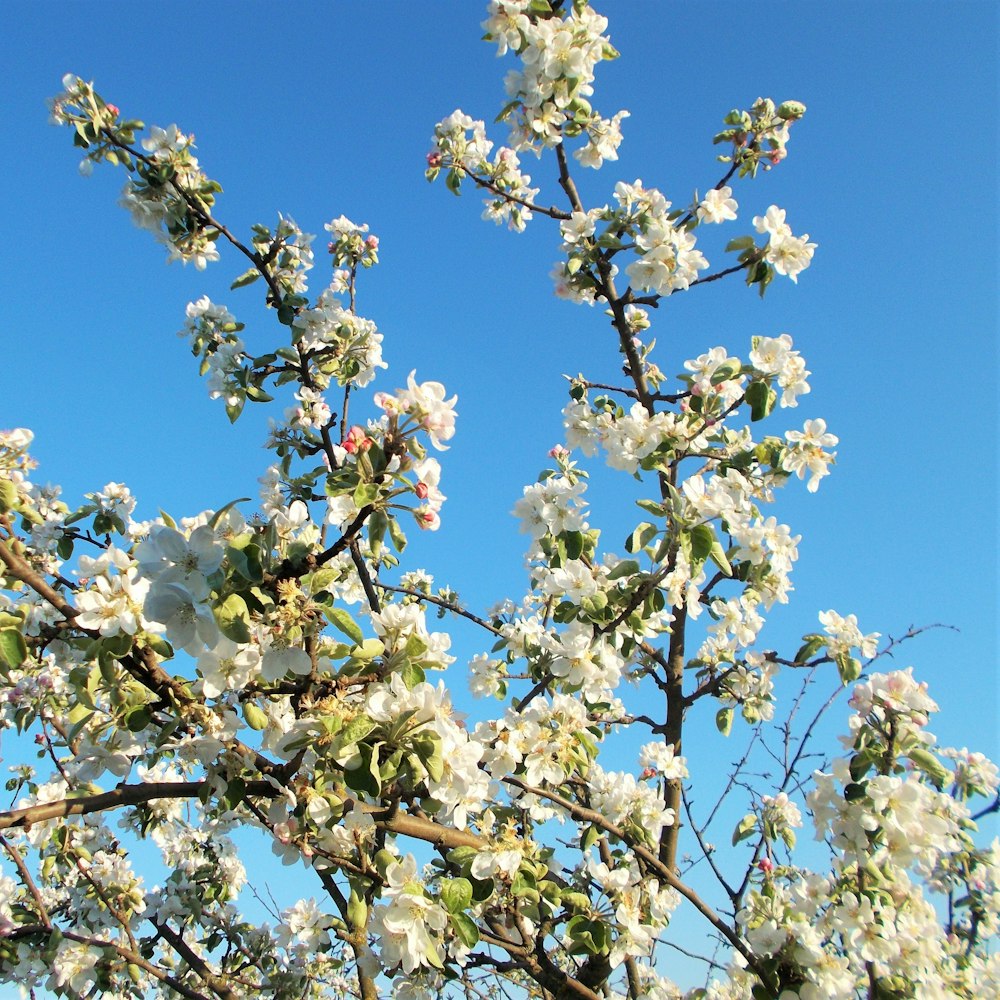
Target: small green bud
[[255, 716], [791, 111]]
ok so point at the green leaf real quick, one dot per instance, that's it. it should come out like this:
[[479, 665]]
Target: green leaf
[[575, 900], [378, 524], [724, 721], [581, 931], [465, 929], [412, 674], [222, 511], [343, 622], [8, 496], [740, 243], [248, 277], [745, 828], [396, 535], [65, 547], [725, 372], [357, 910], [627, 567], [849, 668], [236, 790], [855, 791], [641, 537], [365, 778], [653, 507], [244, 561], [811, 645], [702, 541], [233, 410], [365, 494], [761, 398], [355, 731], [136, 719], [506, 110], [428, 750], [462, 856], [456, 894], [257, 395], [233, 617], [117, 645], [930, 765], [574, 543], [13, 651], [368, 649]]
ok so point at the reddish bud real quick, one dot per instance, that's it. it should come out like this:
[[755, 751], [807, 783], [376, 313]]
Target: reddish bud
[[421, 490], [356, 440], [766, 865], [434, 159], [113, 110]]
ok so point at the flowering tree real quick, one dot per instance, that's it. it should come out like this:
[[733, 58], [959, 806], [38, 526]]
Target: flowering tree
[[269, 667]]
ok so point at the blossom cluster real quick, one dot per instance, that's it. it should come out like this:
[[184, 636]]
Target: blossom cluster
[[549, 93]]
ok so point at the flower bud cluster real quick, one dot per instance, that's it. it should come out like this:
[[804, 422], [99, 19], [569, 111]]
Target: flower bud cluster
[[759, 135], [351, 245]]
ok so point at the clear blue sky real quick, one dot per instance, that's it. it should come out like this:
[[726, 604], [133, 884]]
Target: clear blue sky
[[320, 109]]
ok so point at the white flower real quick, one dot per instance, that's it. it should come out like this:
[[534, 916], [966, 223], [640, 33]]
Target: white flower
[[790, 255], [281, 658], [190, 624], [773, 223], [806, 453], [227, 667], [304, 925], [73, 967], [718, 205]]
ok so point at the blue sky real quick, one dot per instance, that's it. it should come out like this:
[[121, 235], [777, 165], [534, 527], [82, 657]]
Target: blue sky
[[317, 110]]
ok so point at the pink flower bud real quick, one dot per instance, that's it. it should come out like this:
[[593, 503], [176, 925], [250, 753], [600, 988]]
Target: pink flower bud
[[372, 242], [434, 159], [766, 865], [113, 110], [421, 490]]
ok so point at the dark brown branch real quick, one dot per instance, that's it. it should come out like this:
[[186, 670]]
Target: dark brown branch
[[552, 213], [441, 603], [216, 983]]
